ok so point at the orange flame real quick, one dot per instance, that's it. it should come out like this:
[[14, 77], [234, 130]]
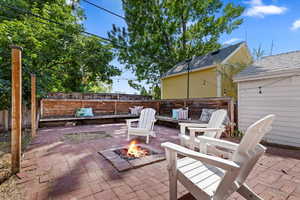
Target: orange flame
[[135, 151]]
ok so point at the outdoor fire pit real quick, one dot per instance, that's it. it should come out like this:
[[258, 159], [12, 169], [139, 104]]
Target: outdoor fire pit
[[132, 156]]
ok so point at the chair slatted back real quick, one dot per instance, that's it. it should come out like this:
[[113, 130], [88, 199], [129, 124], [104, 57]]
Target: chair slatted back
[[147, 118], [247, 155], [249, 149], [216, 120]]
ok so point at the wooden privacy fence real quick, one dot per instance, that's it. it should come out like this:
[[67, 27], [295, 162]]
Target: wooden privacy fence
[[54, 108], [195, 106], [60, 108]]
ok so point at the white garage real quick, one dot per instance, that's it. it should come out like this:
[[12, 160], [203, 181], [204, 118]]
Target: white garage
[[272, 85]]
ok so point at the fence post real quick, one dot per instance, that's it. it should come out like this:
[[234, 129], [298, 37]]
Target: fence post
[[16, 118], [5, 120], [158, 107], [33, 105], [116, 111]]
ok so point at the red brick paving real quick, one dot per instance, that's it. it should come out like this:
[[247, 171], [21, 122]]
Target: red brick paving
[[54, 169]]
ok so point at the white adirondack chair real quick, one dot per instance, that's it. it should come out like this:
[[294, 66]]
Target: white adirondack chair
[[214, 128], [213, 178], [145, 124]]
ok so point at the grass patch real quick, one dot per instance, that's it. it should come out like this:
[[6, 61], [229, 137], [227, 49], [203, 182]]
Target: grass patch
[[84, 136]]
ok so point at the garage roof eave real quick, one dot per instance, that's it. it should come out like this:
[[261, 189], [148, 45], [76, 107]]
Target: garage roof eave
[[268, 75]]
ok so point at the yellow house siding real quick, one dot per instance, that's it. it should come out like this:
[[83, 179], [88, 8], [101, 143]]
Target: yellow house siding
[[174, 87], [202, 84], [241, 56]]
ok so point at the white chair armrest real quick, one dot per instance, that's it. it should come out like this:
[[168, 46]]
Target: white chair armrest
[[193, 125], [129, 121], [211, 160], [195, 129], [218, 142], [132, 120], [184, 125]]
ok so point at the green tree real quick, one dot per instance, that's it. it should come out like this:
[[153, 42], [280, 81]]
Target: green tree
[[62, 57], [144, 92], [161, 33], [227, 72]]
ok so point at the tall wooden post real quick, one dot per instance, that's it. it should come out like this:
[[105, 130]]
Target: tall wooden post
[[33, 105], [16, 118]]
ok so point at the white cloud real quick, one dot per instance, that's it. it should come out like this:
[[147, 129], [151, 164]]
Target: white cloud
[[296, 25], [69, 2], [232, 40], [254, 2], [259, 9]]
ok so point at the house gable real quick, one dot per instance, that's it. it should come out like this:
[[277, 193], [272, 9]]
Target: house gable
[[203, 81], [204, 62]]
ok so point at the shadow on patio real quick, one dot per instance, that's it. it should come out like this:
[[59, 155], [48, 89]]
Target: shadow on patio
[[56, 169]]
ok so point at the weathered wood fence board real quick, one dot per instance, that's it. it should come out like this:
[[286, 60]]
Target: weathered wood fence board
[[96, 96], [26, 118], [122, 107]]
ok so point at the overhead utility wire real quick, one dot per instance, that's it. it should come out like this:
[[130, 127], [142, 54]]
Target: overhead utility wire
[[104, 9], [52, 21]]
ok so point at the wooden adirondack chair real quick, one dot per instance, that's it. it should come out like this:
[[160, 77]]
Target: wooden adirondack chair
[[145, 124], [214, 128], [213, 178]]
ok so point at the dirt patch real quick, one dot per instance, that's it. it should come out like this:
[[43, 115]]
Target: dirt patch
[[85, 136], [9, 190], [5, 167]]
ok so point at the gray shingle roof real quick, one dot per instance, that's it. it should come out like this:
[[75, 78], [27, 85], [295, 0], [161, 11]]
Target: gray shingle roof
[[269, 64], [203, 61]]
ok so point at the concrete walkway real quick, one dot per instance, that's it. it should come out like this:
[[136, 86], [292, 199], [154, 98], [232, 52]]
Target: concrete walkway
[[53, 168]]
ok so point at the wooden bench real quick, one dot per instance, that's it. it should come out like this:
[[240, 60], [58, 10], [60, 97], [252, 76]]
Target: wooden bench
[[176, 121], [81, 120]]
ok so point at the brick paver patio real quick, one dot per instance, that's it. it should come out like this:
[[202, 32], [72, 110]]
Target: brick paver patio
[[56, 169]]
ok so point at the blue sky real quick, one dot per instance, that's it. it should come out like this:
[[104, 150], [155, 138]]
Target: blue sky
[[264, 21]]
